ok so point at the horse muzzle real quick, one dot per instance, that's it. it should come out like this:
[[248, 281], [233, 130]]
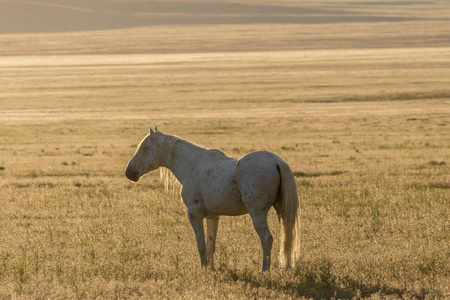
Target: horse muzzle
[[131, 174]]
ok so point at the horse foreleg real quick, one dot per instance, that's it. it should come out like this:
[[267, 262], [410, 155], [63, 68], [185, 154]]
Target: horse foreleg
[[261, 227], [197, 225], [211, 232]]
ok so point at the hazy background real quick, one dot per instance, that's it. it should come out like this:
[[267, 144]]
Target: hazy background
[[218, 25], [69, 15]]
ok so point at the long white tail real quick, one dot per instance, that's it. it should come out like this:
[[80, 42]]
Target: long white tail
[[290, 216]]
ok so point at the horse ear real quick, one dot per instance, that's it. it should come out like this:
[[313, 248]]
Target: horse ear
[[151, 130], [156, 128]]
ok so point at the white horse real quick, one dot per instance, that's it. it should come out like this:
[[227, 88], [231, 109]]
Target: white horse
[[214, 184]]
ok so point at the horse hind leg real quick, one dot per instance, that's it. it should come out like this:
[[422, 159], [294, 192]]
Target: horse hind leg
[[258, 181], [258, 203], [262, 228], [212, 225]]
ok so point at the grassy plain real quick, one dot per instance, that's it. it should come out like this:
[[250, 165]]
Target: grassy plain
[[363, 124]]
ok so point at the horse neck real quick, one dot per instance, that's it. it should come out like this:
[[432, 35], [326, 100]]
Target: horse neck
[[180, 156]]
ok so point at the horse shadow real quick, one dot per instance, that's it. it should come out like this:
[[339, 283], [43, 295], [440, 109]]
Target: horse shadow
[[298, 286]]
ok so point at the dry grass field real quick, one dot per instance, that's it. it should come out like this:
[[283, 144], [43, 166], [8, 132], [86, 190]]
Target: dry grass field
[[360, 110]]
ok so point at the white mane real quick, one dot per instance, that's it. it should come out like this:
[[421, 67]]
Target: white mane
[[169, 180]]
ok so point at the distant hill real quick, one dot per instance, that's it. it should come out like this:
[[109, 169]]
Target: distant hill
[[33, 16]]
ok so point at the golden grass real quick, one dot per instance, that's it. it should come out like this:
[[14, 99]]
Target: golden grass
[[373, 192], [364, 130]]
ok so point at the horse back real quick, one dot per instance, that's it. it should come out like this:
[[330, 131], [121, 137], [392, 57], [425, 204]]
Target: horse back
[[217, 185]]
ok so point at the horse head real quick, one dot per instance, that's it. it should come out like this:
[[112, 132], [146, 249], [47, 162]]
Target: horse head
[[147, 158]]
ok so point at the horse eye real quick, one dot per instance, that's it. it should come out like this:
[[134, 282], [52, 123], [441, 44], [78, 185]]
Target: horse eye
[[146, 148]]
